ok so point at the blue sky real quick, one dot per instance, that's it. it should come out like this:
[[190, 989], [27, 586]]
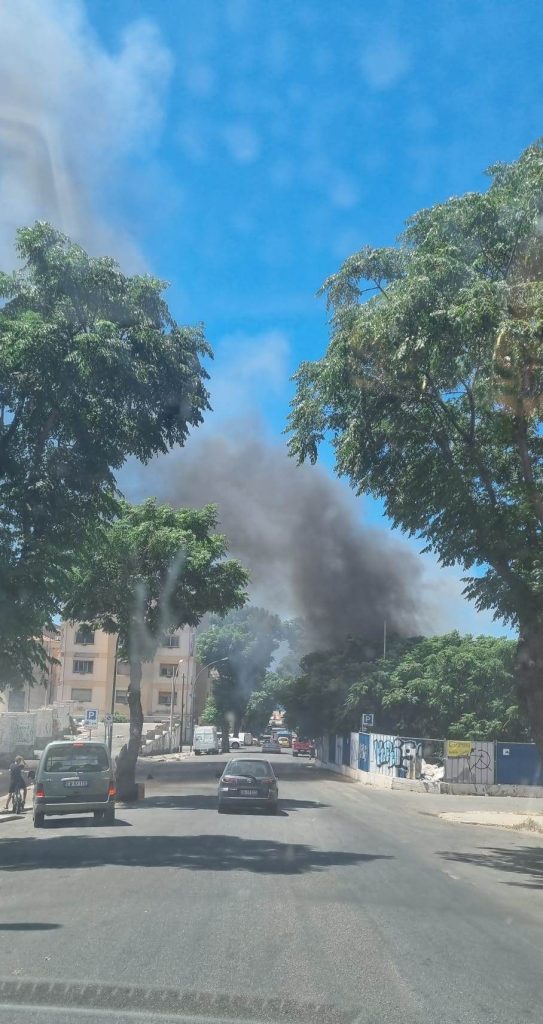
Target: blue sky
[[242, 149]]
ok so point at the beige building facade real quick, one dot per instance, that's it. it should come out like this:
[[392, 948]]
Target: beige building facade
[[87, 670], [43, 691]]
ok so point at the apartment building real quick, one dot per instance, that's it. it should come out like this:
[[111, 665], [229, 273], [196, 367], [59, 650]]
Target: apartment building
[[87, 673], [43, 690]]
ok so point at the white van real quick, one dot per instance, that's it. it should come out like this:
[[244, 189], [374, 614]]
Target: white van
[[243, 739], [205, 740]]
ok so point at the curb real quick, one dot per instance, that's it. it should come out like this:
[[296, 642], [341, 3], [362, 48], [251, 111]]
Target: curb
[[10, 817]]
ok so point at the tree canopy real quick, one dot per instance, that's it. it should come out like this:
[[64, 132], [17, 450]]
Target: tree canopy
[[153, 569], [431, 391], [448, 686], [93, 369], [265, 700], [243, 644]]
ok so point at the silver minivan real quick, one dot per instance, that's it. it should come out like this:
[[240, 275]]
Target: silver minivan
[[75, 777]]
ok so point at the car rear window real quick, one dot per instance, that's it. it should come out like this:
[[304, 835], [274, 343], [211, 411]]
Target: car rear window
[[80, 758], [258, 769]]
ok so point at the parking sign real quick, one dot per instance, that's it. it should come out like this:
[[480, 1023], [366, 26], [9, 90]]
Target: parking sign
[[91, 718], [367, 720]]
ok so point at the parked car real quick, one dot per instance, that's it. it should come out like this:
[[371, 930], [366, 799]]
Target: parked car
[[303, 747], [271, 746], [246, 782], [74, 778], [284, 738], [205, 740]]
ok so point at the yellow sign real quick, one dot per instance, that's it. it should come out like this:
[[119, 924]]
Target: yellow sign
[[459, 748]]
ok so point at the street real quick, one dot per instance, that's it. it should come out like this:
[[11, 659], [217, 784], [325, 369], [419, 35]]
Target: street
[[351, 904]]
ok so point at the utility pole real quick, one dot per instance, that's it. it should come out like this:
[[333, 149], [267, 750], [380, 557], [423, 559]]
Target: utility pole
[[181, 723], [175, 675]]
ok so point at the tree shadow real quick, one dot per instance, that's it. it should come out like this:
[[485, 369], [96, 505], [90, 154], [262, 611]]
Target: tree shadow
[[208, 802], [194, 853], [28, 926], [520, 860]]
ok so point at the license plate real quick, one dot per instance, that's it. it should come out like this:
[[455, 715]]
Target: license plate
[[249, 792], [75, 784]]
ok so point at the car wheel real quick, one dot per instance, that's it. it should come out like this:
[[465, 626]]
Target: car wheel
[[221, 809], [109, 816], [295, 753], [273, 808], [38, 819], [197, 753], [98, 815]]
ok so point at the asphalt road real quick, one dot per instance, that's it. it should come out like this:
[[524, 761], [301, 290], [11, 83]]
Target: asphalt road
[[350, 905]]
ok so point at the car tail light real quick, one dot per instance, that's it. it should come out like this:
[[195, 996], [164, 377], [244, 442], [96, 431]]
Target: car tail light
[[40, 791], [229, 779], [112, 790], [269, 780]]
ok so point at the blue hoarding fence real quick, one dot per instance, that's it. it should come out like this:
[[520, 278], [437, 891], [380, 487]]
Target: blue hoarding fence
[[518, 764], [364, 752]]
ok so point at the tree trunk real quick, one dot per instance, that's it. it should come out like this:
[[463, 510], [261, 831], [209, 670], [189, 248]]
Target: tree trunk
[[529, 678], [126, 763], [225, 729]]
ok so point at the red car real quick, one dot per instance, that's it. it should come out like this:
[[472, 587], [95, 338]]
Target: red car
[[303, 746]]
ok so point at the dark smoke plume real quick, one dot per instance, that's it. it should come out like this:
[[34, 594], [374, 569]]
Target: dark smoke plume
[[296, 529]]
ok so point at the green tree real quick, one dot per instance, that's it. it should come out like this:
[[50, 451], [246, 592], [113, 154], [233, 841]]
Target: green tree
[[153, 569], [243, 644], [93, 369], [334, 687], [455, 686], [449, 686], [432, 393], [211, 714], [264, 701]]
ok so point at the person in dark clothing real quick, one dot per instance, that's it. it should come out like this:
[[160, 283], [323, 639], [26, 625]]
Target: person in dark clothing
[[16, 780]]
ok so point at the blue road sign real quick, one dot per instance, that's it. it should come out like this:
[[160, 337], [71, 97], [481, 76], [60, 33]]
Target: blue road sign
[[367, 719], [91, 717]]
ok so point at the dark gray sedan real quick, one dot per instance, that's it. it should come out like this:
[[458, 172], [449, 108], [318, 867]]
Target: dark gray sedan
[[247, 782]]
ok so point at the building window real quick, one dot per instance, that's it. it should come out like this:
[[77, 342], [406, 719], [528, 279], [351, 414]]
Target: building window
[[169, 640], [121, 696], [165, 698], [167, 671], [82, 695], [82, 667], [84, 635]]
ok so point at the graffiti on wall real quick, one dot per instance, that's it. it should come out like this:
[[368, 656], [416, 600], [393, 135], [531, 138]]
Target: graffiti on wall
[[402, 756]]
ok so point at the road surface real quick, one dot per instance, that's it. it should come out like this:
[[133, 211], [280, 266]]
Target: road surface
[[360, 901]]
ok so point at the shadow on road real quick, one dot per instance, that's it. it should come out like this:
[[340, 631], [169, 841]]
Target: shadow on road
[[28, 926], [194, 853], [64, 822], [208, 802], [521, 860]]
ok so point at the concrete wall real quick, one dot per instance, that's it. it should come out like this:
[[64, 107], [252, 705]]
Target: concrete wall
[[25, 732]]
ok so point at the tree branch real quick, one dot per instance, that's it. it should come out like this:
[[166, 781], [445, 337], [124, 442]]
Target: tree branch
[[521, 437]]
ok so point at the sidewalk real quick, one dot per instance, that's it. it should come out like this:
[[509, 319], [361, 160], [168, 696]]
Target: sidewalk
[[518, 821]]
